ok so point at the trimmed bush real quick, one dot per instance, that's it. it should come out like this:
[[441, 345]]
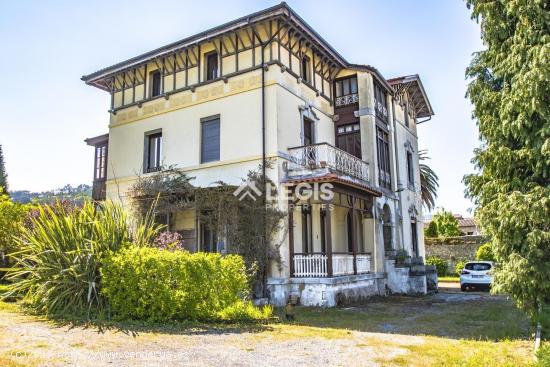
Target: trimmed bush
[[158, 285], [440, 265], [485, 253]]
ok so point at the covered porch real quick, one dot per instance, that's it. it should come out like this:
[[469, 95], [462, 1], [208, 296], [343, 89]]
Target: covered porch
[[332, 237]]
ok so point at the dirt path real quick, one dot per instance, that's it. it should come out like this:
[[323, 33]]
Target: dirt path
[[375, 334], [31, 342]]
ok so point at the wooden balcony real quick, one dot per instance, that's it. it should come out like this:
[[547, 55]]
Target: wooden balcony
[[323, 158]]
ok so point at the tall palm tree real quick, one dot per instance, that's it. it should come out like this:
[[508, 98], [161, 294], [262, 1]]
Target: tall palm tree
[[428, 181]]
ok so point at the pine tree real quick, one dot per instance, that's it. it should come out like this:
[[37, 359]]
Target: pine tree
[[510, 91], [3, 174]]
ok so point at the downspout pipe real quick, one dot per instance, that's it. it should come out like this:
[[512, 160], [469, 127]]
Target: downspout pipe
[[398, 192]]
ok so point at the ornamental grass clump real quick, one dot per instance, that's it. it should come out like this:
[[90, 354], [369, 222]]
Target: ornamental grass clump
[[60, 255]]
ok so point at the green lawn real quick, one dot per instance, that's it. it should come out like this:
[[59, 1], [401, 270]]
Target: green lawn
[[446, 329], [449, 279]]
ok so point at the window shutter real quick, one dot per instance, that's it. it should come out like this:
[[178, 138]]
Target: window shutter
[[210, 145]]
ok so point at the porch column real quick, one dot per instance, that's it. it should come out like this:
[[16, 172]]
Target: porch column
[[291, 237], [354, 234], [328, 237]]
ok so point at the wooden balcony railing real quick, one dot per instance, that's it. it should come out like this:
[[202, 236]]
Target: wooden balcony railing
[[306, 160], [315, 265]]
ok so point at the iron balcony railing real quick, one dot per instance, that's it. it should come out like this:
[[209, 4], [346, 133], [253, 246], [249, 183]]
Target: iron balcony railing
[[317, 158], [346, 100]]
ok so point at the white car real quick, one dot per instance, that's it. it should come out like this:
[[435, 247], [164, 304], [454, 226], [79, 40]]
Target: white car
[[476, 274]]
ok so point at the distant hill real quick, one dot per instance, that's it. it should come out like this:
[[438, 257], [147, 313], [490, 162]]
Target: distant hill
[[75, 194]]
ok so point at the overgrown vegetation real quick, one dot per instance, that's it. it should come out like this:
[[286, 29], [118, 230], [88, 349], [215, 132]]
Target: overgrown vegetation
[[248, 227], [459, 267], [156, 285], [59, 256], [3, 174], [509, 88], [440, 265], [485, 252], [12, 216]]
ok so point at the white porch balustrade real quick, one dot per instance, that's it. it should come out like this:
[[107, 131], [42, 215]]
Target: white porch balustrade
[[315, 265], [310, 265]]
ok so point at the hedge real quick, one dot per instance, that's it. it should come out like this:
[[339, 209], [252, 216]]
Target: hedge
[[157, 285]]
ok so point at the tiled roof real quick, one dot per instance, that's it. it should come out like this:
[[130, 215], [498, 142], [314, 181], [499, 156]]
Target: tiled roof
[[331, 177]]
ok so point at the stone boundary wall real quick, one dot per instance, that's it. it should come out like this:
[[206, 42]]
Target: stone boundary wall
[[454, 249]]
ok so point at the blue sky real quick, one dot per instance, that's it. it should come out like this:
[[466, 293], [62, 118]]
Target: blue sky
[[47, 111]]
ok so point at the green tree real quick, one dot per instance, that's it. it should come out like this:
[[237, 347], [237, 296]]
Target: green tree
[[485, 252], [509, 87], [428, 181], [431, 230], [443, 224], [3, 173], [12, 216]]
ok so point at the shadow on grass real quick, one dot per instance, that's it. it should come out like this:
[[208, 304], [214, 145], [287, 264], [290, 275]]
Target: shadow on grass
[[134, 328], [448, 315]]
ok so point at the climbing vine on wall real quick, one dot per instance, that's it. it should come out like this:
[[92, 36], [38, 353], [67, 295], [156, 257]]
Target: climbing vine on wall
[[247, 226]]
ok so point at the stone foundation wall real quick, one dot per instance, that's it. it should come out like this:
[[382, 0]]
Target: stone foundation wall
[[406, 279], [454, 249], [326, 292]]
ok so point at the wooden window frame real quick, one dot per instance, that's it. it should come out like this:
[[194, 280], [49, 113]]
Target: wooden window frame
[[380, 95], [312, 137], [157, 165], [410, 169], [201, 152], [383, 158], [307, 230], [305, 63], [100, 162], [414, 237], [152, 83], [341, 81], [207, 76]]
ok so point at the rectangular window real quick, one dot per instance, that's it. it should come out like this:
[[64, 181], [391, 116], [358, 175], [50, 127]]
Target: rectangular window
[[406, 112], [154, 78], [323, 214], [309, 137], [210, 140], [410, 169], [211, 65], [414, 238], [307, 233], [100, 162], [153, 152], [383, 151], [305, 69], [380, 102], [344, 87], [348, 138]]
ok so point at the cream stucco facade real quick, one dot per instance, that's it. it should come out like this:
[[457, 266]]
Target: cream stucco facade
[[291, 86]]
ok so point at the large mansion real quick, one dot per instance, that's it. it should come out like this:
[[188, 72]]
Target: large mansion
[[268, 86]]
